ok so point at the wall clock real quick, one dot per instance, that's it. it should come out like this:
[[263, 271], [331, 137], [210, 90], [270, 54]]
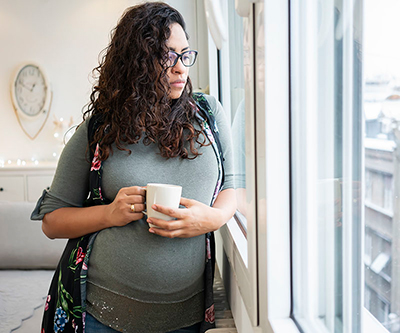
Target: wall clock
[[31, 97]]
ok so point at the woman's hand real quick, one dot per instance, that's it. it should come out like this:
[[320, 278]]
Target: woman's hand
[[72, 222], [196, 219], [127, 206]]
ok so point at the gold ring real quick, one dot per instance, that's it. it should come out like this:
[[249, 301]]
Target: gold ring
[[133, 208]]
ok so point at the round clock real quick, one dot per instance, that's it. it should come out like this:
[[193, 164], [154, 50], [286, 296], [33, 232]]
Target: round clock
[[30, 91]]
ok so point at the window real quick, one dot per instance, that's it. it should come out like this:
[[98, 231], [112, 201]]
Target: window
[[236, 105], [326, 165], [236, 70], [381, 104], [342, 202]]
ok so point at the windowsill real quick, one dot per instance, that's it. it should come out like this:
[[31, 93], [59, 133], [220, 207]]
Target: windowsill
[[371, 324], [286, 325], [241, 222], [239, 239]]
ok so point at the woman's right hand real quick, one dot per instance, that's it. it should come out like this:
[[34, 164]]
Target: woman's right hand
[[120, 213]]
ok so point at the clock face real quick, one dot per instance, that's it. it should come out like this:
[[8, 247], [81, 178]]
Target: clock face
[[30, 90]]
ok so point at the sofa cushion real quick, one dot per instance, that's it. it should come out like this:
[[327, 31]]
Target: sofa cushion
[[22, 242]]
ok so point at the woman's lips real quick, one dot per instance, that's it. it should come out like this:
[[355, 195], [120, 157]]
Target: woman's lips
[[178, 84]]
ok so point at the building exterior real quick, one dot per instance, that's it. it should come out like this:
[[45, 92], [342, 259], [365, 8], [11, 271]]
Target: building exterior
[[382, 213]]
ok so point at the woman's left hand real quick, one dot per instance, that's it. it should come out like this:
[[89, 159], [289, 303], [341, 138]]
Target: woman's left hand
[[194, 220]]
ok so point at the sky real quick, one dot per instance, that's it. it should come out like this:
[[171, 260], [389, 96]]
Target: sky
[[382, 39]]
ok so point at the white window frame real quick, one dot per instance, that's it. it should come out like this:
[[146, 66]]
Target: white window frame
[[268, 240], [241, 251], [273, 173]]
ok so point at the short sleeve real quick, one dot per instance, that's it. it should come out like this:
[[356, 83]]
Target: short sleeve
[[70, 186], [224, 130]]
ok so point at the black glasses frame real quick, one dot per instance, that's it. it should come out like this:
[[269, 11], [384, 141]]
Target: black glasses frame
[[180, 55]]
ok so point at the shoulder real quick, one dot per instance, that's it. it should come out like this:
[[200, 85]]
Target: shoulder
[[213, 103]]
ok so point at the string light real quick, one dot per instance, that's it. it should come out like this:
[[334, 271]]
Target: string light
[[33, 161], [61, 126]]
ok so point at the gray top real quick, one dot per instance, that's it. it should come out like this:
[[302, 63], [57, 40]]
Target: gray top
[[145, 273]]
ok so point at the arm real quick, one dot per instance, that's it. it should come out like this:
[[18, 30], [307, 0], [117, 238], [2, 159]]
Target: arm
[[197, 218], [72, 222], [61, 208]]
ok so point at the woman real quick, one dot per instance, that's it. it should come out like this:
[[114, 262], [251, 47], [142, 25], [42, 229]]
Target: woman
[[141, 279]]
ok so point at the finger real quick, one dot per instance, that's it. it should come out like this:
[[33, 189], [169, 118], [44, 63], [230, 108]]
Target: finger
[[167, 233], [136, 199], [136, 216], [186, 202], [166, 225], [136, 208], [132, 199], [133, 190], [167, 210]]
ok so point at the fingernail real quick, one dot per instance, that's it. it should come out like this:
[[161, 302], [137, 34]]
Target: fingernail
[[151, 230], [154, 207]]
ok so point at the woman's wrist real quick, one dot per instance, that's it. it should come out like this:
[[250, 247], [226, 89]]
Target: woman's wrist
[[107, 221], [218, 218]]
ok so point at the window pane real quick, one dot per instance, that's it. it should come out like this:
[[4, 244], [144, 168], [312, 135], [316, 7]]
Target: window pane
[[237, 107], [326, 162], [382, 115]]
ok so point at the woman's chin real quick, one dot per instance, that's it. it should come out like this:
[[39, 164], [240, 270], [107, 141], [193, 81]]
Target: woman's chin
[[175, 93]]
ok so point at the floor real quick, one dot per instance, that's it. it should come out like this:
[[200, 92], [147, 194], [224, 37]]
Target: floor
[[33, 324], [223, 316]]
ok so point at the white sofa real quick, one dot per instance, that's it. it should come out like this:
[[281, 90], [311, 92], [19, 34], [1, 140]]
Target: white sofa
[[27, 261]]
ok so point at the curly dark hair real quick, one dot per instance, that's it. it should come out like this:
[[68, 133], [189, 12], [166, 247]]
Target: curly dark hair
[[131, 90]]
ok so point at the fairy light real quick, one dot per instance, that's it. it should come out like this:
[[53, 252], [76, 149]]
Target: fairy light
[[20, 162]]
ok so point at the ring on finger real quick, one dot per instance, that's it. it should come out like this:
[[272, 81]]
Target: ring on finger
[[133, 208]]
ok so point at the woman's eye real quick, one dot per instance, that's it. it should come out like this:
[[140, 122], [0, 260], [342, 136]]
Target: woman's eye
[[171, 56]]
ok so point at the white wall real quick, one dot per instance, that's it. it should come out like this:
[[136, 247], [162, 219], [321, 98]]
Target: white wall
[[65, 38]]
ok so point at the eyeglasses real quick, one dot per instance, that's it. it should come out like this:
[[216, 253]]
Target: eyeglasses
[[188, 58]]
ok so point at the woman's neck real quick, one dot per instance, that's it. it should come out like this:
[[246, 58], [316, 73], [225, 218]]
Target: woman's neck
[[173, 102]]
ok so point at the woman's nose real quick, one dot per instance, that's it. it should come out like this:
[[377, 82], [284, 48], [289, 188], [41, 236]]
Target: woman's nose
[[179, 67]]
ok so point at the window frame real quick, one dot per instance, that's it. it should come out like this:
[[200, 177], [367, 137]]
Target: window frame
[[241, 250], [270, 186], [273, 164]]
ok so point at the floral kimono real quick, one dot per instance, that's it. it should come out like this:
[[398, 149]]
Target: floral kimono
[[65, 307]]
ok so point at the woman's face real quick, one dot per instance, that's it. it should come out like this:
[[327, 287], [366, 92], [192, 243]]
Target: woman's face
[[178, 74]]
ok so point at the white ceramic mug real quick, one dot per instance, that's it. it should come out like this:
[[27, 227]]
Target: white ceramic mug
[[162, 194]]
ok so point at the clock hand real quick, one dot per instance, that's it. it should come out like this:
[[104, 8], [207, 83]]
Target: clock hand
[[26, 87]]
